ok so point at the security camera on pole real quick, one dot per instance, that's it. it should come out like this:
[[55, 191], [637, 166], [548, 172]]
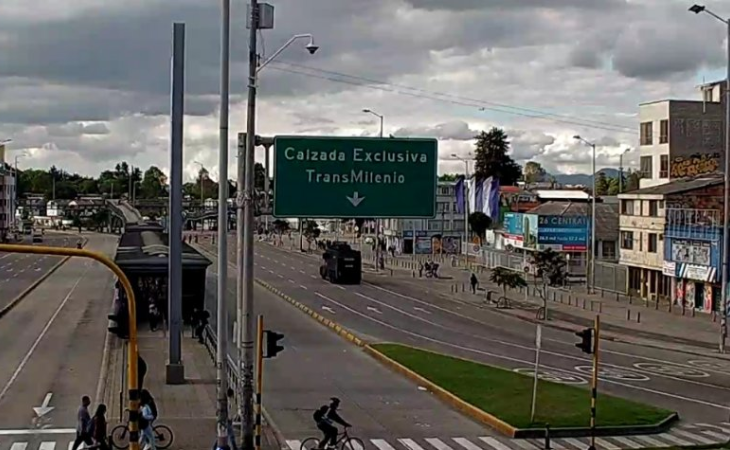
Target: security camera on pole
[[261, 17]]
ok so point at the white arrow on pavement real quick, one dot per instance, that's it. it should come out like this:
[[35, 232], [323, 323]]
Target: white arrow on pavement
[[421, 309], [355, 199], [44, 409], [374, 309], [328, 309]]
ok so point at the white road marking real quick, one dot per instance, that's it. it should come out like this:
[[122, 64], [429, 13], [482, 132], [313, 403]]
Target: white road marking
[[18, 446], [47, 445], [606, 444], [692, 436], [494, 443], [651, 441], [673, 439], [303, 287], [575, 442], [724, 426], [37, 341], [410, 444], [27, 432], [294, 445], [716, 435], [301, 271], [339, 287], [353, 445], [438, 444], [524, 444], [383, 445], [467, 444], [627, 442], [280, 275]]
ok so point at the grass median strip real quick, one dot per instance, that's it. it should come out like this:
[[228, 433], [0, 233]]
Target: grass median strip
[[506, 394]]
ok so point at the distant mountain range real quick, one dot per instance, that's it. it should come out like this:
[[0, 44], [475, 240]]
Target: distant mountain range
[[583, 179]]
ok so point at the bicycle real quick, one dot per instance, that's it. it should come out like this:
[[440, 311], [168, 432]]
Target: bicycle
[[119, 437], [344, 442]]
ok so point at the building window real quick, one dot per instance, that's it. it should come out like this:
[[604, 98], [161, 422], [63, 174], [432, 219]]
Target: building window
[[646, 133], [652, 243], [608, 249], [627, 240], [447, 225], [664, 131], [645, 167], [653, 208], [627, 207], [663, 166], [459, 225], [434, 225]]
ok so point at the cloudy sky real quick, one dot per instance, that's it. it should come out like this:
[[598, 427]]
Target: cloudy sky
[[85, 83]]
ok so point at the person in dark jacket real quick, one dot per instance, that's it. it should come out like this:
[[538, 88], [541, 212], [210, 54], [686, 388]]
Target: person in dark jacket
[[98, 427], [325, 416]]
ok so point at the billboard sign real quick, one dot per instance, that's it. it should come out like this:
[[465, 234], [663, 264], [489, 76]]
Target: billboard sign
[[563, 233]]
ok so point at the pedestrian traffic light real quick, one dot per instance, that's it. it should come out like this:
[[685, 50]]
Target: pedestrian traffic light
[[272, 347], [586, 343]]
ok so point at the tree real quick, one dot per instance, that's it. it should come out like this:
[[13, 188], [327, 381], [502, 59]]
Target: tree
[[534, 173], [311, 231], [613, 186], [479, 224], [632, 181], [153, 183], [506, 279], [549, 269], [280, 226], [492, 158], [448, 177], [602, 184]]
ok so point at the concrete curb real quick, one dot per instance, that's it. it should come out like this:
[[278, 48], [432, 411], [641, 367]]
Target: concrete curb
[[16, 301], [464, 407]]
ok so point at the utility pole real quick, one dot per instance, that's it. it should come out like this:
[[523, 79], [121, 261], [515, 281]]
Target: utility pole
[[245, 245], [221, 304], [175, 371]]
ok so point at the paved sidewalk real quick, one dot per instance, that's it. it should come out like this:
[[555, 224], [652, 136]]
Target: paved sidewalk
[[188, 409]]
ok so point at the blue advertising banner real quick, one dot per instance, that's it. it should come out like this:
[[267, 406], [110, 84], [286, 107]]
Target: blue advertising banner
[[520, 230], [566, 233]]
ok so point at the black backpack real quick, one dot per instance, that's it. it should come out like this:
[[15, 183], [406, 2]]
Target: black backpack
[[319, 414]]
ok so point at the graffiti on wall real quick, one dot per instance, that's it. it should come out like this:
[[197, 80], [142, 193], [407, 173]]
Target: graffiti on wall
[[697, 164]]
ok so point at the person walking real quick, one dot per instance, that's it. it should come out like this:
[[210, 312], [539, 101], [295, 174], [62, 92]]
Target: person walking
[[474, 283], [147, 417], [83, 424], [98, 427]]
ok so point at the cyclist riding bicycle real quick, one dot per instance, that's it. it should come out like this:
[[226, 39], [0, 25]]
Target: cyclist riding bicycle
[[324, 418]]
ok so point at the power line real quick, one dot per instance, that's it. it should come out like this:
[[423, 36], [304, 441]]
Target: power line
[[354, 80]]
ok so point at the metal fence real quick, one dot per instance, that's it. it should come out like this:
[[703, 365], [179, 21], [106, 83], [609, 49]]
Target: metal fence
[[612, 277]]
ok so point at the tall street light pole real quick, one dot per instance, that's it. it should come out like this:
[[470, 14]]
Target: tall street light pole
[[221, 304], [621, 171], [377, 221], [591, 278], [466, 204], [15, 189], [726, 200], [245, 227]]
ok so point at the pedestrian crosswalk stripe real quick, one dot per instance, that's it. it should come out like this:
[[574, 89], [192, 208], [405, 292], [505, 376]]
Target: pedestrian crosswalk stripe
[[46, 445], [492, 442], [438, 444], [381, 444], [673, 439], [607, 444], [467, 444], [352, 444], [627, 442], [524, 444], [410, 444], [293, 445], [651, 441], [18, 446], [694, 437], [715, 434], [574, 442]]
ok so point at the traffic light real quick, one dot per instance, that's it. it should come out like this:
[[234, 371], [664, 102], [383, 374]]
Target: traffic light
[[586, 343], [272, 347]]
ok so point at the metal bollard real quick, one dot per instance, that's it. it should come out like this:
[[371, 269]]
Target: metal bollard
[[547, 436], [463, 287], [584, 303], [628, 315], [638, 317], [617, 296], [602, 293], [391, 272], [570, 300], [693, 312]]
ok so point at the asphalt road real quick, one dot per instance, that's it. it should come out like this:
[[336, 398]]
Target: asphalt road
[[316, 365], [384, 309], [19, 271], [52, 346]]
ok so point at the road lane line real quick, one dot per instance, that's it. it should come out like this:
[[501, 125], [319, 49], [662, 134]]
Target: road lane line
[[301, 271], [340, 287], [18, 446], [47, 445], [37, 341], [303, 287]]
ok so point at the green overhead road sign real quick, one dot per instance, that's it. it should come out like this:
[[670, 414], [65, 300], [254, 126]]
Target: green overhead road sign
[[354, 177]]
